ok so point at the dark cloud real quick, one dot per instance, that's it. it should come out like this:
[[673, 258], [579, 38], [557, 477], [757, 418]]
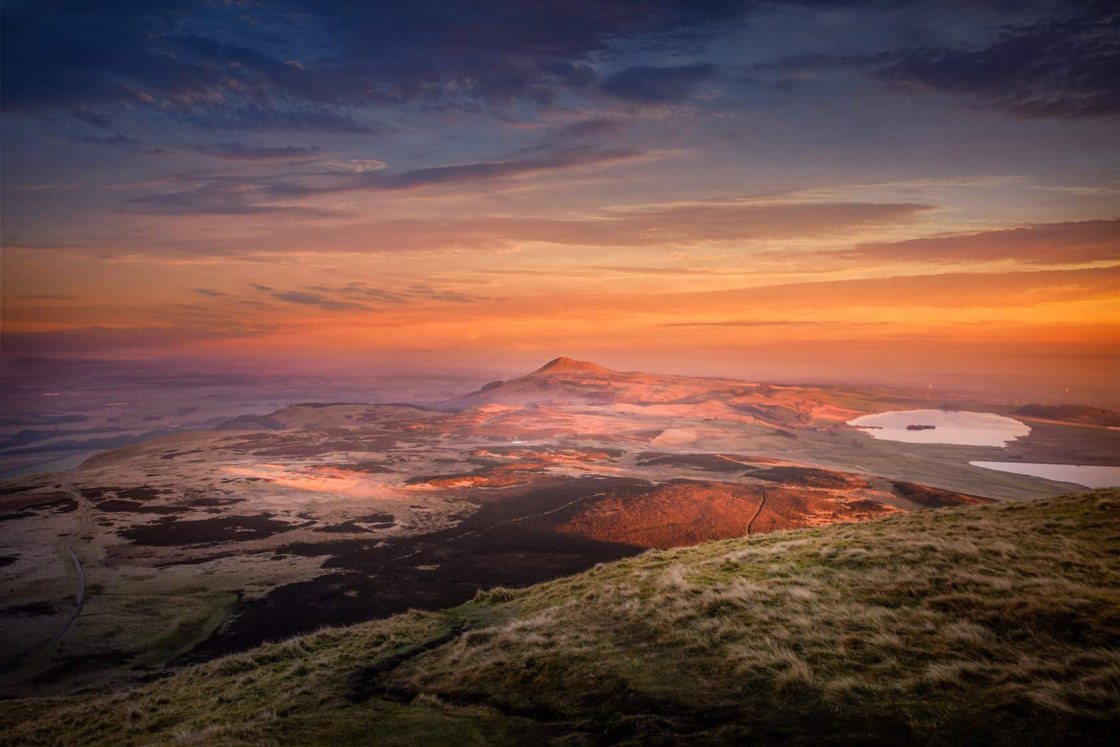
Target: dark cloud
[[209, 293], [97, 119], [242, 152], [1053, 243], [284, 65], [506, 49], [345, 295], [63, 55], [1064, 65], [422, 290], [486, 171], [361, 290], [312, 65], [658, 85], [225, 194], [117, 140], [586, 129], [289, 118], [216, 197], [219, 194], [573, 75], [359, 296], [318, 300]]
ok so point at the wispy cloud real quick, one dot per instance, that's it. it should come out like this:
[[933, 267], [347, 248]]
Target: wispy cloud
[[231, 75], [650, 84], [286, 118], [353, 166], [1054, 243], [118, 140], [360, 296], [1062, 65], [316, 299], [470, 173], [223, 194], [237, 151], [219, 196]]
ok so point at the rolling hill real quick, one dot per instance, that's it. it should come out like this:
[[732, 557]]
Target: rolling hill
[[992, 624], [565, 381]]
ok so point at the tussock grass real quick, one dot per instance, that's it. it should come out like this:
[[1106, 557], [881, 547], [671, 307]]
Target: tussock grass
[[981, 625]]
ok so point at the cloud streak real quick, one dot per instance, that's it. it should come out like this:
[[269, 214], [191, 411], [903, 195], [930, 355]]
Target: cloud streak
[[655, 226], [357, 296], [649, 84], [215, 59], [237, 151], [318, 300], [222, 194], [477, 172], [1065, 65], [1055, 243]]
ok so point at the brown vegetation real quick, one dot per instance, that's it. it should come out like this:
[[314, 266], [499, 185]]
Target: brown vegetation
[[810, 477], [979, 625], [929, 497], [686, 512]]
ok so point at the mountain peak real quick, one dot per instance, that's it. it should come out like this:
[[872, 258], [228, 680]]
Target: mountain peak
[[564, 365]]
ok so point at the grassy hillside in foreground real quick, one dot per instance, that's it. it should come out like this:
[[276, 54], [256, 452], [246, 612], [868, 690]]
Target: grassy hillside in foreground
[[983, 624]]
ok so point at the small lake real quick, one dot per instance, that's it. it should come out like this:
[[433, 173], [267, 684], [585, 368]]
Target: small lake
[[1088, 475], [949, 427]]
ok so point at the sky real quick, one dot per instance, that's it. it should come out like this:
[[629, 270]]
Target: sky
[[786, 188]]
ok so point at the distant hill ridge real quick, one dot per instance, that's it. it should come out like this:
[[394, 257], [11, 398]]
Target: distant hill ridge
[[562, 380], [1072, 413], [565, 365]]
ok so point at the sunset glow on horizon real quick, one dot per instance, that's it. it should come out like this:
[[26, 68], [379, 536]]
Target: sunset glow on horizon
[[774, 189]]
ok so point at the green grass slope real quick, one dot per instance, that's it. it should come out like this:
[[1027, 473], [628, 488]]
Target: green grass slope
[[982, 625]]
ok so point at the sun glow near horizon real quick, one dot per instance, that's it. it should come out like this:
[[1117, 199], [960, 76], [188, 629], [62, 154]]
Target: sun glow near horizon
[[660, 207]]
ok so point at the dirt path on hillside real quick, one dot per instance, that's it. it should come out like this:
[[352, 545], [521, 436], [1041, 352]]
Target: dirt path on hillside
[[761, 505], [79, 569]]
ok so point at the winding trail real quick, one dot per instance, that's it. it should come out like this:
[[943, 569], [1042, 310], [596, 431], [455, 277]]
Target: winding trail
[[79, 598], [79, 569], [761, 505], [364, 683]]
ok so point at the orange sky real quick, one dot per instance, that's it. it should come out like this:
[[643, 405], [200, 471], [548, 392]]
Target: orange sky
[[703, 297], [766, 202]]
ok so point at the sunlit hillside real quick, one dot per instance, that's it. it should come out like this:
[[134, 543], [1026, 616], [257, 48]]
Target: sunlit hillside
[[985, 624]]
